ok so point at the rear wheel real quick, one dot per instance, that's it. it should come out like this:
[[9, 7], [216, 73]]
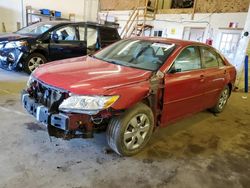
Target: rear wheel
[[33, 61], [222, 101], [129, 133]]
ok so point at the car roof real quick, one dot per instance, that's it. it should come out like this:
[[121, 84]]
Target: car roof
[[170, 40], [70, 22]]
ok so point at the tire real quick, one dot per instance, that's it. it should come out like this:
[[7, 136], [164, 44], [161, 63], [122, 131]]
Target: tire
[[222, 101], [138, 132], [33, 61]]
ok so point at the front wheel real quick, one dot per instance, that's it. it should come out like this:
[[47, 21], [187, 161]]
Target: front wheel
[[33, 61], [129, 133], [222, 101]]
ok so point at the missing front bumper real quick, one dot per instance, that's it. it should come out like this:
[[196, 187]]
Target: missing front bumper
[[75, 125], [42, 114]]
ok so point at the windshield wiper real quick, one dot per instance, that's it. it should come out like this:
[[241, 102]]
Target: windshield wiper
[[109, 61], [113, 62]]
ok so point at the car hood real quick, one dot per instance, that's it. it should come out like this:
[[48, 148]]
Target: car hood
[[13, 37], [88, 76]]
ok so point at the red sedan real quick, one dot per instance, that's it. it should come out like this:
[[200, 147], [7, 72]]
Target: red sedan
[[128, 89]]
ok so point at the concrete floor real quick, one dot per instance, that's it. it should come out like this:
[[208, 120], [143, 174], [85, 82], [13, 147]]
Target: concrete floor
[[200, 151]]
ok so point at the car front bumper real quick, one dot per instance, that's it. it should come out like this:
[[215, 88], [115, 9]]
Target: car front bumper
[[65, 122]]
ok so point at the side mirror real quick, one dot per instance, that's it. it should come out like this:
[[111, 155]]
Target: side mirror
[[173, 70], [54, 37]]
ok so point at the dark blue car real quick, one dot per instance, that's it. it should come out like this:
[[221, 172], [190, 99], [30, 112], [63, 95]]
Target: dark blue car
[[48, 41]]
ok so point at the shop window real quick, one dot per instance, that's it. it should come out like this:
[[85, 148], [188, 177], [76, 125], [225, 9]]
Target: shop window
[[228, 44], [182, 3], [158, 33]]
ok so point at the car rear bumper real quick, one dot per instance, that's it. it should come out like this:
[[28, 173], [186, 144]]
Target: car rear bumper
[[68, 123]]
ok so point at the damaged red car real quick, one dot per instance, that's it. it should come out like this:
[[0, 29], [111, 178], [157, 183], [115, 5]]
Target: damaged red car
[[128, 89]]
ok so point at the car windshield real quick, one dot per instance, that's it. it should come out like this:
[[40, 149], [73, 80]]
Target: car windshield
[[141, 54], [36, 29]]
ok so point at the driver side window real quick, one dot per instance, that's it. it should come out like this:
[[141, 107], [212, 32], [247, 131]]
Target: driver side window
[[188, 59], [67, 33]]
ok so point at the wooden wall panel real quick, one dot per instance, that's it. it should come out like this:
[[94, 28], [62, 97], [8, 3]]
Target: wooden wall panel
[[118, 4], [203, 6], [220, 6]]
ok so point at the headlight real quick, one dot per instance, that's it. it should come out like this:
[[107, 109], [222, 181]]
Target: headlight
[[87, 104], [15, 44], [1, 46]]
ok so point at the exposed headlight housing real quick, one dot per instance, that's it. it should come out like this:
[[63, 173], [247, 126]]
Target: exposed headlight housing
[[15, 44], [90, 105], [30, 81], [1, 45]]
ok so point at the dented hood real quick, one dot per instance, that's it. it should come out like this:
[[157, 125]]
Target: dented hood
[[88, 76], [13, 37]]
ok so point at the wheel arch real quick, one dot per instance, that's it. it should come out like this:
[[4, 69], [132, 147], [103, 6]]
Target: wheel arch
[[42, 52], [230, 85]]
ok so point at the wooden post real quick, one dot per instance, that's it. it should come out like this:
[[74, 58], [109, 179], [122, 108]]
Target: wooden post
[[3, 26], [194, 7], [156, 7], [72, 17]]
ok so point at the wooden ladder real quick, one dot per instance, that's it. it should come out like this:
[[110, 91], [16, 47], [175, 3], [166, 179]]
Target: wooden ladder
[[136, 24]]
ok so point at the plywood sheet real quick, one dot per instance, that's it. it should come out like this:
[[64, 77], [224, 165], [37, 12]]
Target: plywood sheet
[[203, 6], [123, 4], [118, 4], [222, 6]]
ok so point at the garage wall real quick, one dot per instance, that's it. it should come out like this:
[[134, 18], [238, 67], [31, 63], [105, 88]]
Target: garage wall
[[173, 24], [10, 14], [11, 10]]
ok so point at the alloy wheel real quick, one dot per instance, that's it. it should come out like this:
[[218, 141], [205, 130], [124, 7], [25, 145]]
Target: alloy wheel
[[34, 63], [136, 131], [223, 99]]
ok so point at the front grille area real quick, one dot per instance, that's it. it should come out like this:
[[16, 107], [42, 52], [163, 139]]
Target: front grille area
[[46, 95]]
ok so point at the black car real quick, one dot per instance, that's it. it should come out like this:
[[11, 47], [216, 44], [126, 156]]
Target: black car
[[48, 41]]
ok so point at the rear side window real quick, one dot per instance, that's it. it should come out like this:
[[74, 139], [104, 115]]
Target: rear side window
[[209, 58], [108, 34], [189, 59], [220, 60]]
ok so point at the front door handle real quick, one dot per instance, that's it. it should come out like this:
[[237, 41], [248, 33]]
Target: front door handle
[[202, 78]]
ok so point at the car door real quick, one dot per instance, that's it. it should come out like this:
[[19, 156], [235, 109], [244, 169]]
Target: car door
[[215, 75], [66, 43], [184, 86]]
